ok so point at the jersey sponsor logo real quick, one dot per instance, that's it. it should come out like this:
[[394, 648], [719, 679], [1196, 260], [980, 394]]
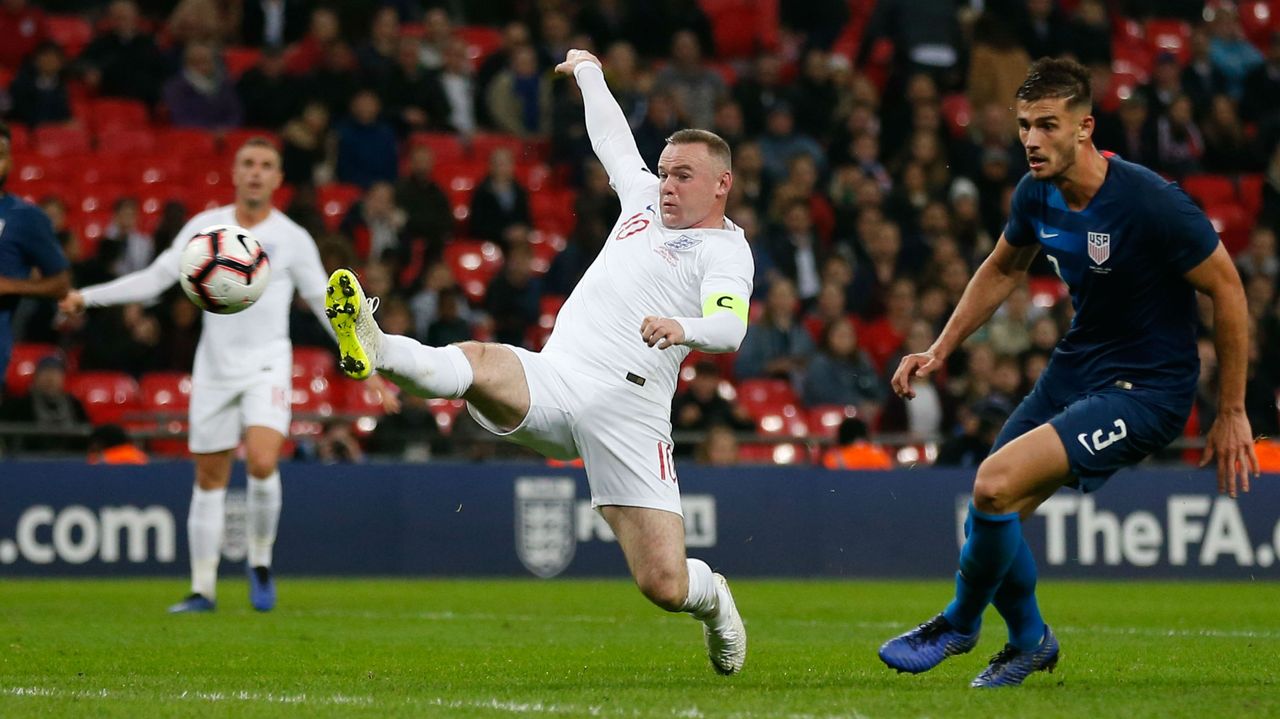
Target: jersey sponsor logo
[[681, 243], [1099, 442], [634, 224], [545, 540], [1099, 246]]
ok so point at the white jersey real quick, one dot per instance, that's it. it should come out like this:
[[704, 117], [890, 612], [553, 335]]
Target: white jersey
[[234, 347], [644, 268]]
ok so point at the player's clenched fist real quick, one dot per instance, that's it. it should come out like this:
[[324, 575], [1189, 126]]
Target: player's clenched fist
[[71, 303], [921, 364], [574, 58], [661, 331]]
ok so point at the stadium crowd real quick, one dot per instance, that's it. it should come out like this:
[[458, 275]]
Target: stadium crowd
[[875, 152]]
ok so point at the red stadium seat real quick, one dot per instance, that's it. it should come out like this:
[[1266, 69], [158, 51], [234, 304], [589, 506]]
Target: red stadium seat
[[1251, 194], [956, 110], [313, 362], [481, 41], [552, 210], [111, 113], [484, 143], [1046, 291], [168, 392], [824, 420], [765, 393], [1232, 224], [22, 365], [445, 146], [187, 142], [1209, 189], [120, 141], [107, 396], [1172, 36], [334, 200], [19, 136], [71, 32], [445, 411], [474, 263], [1259, 20], [61, 140], [33, 168], [312, 395], [240, 59], [752, 453], [786, 419]]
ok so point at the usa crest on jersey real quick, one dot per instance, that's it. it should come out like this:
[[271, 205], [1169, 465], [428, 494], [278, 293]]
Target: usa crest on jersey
[[1099, 246]]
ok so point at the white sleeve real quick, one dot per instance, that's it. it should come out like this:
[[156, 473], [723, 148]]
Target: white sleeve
[[310, 279], [609, 132], [145, 284], [721, 332]]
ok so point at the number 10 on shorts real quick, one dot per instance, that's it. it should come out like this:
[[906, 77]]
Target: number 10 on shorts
[[666, 462]]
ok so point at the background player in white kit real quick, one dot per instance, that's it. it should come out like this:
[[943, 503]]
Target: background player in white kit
[[675, 274], [242, 379]]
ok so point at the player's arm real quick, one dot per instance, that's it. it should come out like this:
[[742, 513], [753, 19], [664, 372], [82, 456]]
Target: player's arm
[[1003, 270], [40, 249], [140, 286], [607, 127], [1230, 439], [55, 286], [721, 327]]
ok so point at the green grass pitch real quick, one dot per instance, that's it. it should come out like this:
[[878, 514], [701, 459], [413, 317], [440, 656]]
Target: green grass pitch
[[378, 648]]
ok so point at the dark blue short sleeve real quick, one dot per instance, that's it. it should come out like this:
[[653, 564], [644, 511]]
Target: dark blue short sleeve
[[39, 245], [1019, 231], [1188, 236]]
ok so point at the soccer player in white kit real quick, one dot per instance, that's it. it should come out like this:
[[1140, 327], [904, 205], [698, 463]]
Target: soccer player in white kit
[[242, 379], [675, 274]]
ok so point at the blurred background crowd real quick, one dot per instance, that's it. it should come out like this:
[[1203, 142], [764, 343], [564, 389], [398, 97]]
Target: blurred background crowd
[[430, 145]]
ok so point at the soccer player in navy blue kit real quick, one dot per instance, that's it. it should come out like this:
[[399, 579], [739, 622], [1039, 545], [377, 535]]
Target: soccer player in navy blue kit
[[26, 243], [1133, 249]]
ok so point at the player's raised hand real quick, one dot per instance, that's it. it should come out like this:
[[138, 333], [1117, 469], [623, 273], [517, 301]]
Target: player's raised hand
[[1231, 441], [71, 303], [574, 58], [921, 364], [661, 331]]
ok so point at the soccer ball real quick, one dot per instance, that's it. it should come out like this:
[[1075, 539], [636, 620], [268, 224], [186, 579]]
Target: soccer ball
[[224, 269]]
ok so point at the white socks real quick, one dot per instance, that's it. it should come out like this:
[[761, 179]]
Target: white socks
[[425, 371], [204, 535], [263, 505], [702, 601]]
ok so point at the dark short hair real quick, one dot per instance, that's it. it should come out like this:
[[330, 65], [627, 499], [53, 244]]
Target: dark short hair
[[716, 146], [1051, 78], [851, 430], [4, 131]]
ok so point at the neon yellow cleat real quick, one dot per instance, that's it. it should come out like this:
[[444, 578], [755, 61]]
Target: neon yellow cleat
[[351, 315]]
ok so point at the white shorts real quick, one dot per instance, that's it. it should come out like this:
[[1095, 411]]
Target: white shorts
[[219, 413], [624, 438]]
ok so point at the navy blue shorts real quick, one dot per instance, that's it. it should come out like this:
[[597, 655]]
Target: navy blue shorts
[[1103, 431]]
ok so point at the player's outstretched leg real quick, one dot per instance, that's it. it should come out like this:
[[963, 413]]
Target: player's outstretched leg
[[924, 647], [362, 347], [722, 628], [1012, 665], [205, 521]]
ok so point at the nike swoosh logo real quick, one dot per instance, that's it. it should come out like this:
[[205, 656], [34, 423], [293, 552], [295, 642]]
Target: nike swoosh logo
[[1044, 235]]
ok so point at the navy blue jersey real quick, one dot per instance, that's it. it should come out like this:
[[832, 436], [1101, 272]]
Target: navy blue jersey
[[26, 242], [1124, 257]]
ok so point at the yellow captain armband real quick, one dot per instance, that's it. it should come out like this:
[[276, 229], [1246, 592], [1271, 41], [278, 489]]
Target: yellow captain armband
[[726, 303]]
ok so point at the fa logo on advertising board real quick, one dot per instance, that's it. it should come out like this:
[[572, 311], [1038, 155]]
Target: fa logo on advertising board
[[545, 540], [1099, 247]]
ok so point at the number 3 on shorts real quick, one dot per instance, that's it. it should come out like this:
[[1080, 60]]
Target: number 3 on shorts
[[1099, 442]]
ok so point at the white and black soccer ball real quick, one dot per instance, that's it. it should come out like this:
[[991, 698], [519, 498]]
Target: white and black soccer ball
[[224, 269]]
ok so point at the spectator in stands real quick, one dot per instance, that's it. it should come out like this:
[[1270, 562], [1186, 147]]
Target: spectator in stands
[[195, 21], [39, 91], [1134, 138], [761, 90], [930, 413], [728, 122], [1231, 52], [180, 327], [781, 142], [519, 98], [925, 35], [125, 339], [24, 28], [651, 24], [272, 23], [428, 216], [750, 184], [660, 120], [872, 279], [1165, 85], [377, 55], [323, 29], [338, 444], [438, 33], [201, 95], [555, 38], [425, 303], [629, 85], [795, 251], [801, 184], [1201, 79], [980, 425], [515, 35], [407, 435], [498, 201], [269, 97], [375, 223], [1259, 259], [830, 305], [457, 80], [367, 150], [719, 448], [1227, 149], [334, 79], [110, 444], [695, 87], [414, 97], [606, 22], [883, 337], [1091, 34], [1044, 32], [124, 246], [124, 61], [1179, 143], [306, 146], [1009, 331], [997, 63], [49, 407], [570, 264], [819, 21], [513, 299], [776, 345], [1261, 99], [854, 450], [841, 373], [701, 405], [451, 324]]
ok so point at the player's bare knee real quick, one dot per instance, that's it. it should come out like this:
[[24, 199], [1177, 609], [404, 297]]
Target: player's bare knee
[[667, 589], [992, 489], [260, 464], [209, 480]]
